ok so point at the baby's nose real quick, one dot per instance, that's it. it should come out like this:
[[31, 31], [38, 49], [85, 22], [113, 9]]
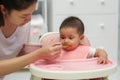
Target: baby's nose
[[66, 40]]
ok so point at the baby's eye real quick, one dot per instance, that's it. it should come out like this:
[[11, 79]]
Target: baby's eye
[[70, 37], [62, 37]]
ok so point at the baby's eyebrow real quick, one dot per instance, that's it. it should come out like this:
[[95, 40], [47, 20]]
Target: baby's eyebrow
[[62, 36]]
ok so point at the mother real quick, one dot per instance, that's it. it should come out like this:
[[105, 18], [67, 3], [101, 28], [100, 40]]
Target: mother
[[15, 16]]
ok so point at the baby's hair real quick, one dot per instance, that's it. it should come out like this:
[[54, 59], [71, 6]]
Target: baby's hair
[[73, 22]]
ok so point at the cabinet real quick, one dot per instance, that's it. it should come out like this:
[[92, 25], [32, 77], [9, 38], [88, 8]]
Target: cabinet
[[100, 18]]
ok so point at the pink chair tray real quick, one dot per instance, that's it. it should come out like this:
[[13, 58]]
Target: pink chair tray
[[74, 69]]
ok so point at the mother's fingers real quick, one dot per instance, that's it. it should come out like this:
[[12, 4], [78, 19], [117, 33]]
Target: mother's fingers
[[58, 43], [56, 47]]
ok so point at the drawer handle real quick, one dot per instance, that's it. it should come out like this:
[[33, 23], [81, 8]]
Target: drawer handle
[[72, 2], [102, 26], [102, 2]]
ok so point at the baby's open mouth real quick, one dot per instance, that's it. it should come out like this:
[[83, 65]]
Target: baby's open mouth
[[65, 46]]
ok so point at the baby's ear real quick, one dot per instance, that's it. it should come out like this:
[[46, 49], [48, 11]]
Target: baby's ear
[[82, 37]]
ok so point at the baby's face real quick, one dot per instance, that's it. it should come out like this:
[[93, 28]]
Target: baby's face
[[69, 38]]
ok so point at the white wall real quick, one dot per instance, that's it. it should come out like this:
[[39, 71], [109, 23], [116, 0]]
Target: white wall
[[119, 36]]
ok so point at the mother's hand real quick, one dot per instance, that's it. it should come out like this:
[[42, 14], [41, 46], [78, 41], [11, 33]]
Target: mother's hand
[[52, 51]]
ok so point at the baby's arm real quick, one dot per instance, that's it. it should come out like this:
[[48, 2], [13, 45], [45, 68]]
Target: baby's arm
[[102, 56]]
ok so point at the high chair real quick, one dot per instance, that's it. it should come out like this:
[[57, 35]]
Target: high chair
[[69, 69]]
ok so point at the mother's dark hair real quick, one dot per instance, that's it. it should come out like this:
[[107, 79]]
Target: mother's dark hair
[[14, 5]]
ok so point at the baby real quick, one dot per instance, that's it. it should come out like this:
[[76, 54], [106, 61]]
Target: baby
[[71, 37]]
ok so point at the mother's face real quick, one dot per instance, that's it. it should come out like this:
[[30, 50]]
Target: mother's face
[[19, 18]]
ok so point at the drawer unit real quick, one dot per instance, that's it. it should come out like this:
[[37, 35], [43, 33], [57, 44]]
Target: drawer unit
[[84, 6]]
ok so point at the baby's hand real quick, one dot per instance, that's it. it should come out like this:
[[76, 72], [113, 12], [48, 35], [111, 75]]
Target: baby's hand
[[102, 56], [102, 60]]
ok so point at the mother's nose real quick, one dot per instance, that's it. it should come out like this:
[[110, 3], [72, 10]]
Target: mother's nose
[[28, 19]]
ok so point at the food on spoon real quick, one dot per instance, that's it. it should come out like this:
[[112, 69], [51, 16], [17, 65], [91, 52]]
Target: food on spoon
[[65, 46]]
